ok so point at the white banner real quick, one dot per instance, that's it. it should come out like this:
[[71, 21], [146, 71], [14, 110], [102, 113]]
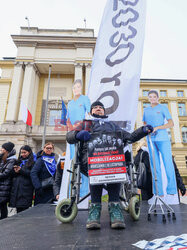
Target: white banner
[[116, 67]]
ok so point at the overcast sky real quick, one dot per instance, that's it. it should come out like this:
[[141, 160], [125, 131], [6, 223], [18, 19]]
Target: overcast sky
[[165, 47]]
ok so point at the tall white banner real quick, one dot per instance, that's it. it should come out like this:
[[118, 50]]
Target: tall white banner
[[116, 67]]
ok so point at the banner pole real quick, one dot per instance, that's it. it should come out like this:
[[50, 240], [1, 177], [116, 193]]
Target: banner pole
[[46, 108]]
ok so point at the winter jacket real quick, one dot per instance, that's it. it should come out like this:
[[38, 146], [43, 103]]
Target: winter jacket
[[39, 173], [6, 169], [180, 184], [22, 189], [146, 193], [101, 126]]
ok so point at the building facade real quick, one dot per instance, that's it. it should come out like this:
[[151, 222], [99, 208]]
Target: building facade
[[70, 53]]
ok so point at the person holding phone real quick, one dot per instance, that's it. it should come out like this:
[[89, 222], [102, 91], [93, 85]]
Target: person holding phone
[[21, 195]]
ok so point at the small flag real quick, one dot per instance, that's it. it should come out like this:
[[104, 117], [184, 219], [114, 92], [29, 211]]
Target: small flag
[[64, 114], [26, 115]]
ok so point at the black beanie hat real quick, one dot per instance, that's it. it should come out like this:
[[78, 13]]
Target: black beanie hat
[[8, 146], [97, 103]]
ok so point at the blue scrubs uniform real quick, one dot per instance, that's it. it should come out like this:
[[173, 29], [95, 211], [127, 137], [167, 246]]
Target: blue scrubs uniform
[[77, 109], [76, 112], [156, 116]]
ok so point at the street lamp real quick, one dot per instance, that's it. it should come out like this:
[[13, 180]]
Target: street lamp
[[26, 18]]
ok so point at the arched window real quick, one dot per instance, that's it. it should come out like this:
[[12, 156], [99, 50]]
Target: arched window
[[184, 134]]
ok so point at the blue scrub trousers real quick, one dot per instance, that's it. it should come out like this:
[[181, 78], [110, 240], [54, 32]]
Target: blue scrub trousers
[[164, 147]]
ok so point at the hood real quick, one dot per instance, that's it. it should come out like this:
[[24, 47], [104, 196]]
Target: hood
[[12, 153]]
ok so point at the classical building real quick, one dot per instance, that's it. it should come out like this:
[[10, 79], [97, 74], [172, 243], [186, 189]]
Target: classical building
[[25, 78], [69, 52]]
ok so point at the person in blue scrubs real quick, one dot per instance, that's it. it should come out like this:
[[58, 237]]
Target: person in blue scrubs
[[76, 111], [159, 117], [79, 105]]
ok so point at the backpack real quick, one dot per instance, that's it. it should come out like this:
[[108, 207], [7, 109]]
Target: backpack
[[142, 174]]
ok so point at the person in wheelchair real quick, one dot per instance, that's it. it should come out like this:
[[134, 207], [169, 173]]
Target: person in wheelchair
[[99, 124]]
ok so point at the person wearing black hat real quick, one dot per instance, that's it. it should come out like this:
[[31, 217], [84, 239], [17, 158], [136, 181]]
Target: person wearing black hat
[[7, 161], [22, 189], [100, 124]]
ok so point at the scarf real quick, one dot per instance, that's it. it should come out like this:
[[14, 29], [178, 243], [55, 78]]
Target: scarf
[[50, 163], [23, 162]]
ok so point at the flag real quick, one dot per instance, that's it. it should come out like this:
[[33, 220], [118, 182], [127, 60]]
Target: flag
[[26, 115], [64, 114], [116, 67]]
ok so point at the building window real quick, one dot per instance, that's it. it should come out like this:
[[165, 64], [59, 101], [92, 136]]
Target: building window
[[54, 115], [146, 104], [182, 109], [184, 134], [165, 104], [163, 93], [145, 92], [54, 112], [180, 93]]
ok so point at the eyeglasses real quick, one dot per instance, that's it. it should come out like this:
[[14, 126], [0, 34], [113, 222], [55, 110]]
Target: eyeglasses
[[49, 148]]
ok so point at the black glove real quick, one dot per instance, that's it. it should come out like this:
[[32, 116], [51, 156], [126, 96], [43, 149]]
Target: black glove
[[148, 129], [83, 135], [40, 191], [183, 191]]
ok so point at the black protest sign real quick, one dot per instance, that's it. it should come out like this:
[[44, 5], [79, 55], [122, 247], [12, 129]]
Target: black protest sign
[[106, 159]]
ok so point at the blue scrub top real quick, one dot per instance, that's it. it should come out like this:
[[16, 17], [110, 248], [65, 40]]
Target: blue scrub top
[[155, 116], [77, 109]]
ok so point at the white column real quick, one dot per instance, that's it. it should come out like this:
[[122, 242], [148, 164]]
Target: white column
[[176, 128], [27, 95], [35, 95], [15, 92], [78, 71], [87, 77], [139, 115]]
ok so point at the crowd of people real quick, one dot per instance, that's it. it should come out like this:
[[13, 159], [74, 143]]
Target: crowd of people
[[28, 177]]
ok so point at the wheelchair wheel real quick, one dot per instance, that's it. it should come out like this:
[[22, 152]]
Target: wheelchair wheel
[[134, 208], [64, 214]]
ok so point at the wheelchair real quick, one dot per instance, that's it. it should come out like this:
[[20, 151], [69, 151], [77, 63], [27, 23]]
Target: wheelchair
[[67, 209]]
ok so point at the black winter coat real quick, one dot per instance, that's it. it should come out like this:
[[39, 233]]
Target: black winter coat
[[146, 193], [6, 176], [180, 184], [101, 126], [22, 189], [39, 173]]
